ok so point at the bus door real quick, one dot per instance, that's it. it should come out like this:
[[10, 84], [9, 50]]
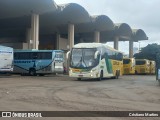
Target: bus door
[[59, 62]]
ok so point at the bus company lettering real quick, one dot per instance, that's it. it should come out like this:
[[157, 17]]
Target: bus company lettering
[[22, 61], [115, 63]]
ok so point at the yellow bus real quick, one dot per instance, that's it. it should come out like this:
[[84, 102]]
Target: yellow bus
[[128, 66], [152, 67], [142, 66], [95, 60]]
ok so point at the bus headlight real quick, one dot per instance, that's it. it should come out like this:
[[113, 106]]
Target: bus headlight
[[70, 70], [93, 70]]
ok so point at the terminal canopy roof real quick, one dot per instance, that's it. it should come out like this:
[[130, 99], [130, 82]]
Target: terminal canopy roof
[[57, 21], [15, 18], [121, 30], [138, 34], [19, 8]]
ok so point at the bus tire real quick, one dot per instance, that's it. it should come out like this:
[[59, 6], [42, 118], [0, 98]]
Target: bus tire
[[79, 79], [41, 74], [136, 72], [22, 74], [117, 74], [32, 72], [101, 76]]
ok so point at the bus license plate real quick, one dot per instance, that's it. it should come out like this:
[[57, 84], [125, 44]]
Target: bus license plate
[[80, 75]]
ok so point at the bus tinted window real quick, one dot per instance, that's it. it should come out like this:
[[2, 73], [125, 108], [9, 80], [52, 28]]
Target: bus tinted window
[[59, 55], [119, 56], [140, 62], [126, 61], [44, 55], [22, 55], [114, 55], [32, 55]]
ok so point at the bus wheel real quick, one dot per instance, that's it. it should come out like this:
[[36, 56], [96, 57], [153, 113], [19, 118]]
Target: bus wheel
[[101, 76], [136, 72], [32, 72], [22, 74], [117, 74], [78, 79], [41, 74]]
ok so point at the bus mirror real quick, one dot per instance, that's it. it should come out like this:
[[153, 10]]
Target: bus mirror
[[96, 54], [68, 54]]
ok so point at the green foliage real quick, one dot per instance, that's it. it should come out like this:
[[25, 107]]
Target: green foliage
[[148, 52]]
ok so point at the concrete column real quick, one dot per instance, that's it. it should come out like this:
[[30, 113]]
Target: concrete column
[[35, 31], [116, 42], [130, 48], [57, 40], [96, 36], [70, 35], [28, 37]]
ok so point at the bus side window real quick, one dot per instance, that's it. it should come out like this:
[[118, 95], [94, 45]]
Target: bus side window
[[16, 56], [119, 56], [34, 55]]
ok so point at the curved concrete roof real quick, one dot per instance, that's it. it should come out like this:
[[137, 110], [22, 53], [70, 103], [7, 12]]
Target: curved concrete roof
[[18, 8], [139, 34], [15, 14], [66, 13], [123, 30], [73, 13], [102, 23], [96, 23]]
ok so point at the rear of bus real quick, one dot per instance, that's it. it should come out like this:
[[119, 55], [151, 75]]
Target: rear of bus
[[58, 63], [152, 67], [6, 59], [128, 66], [142, 66]]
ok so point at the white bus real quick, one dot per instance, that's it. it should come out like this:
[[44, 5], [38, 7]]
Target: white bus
[[95, 60], [6, 59], [38, 62]]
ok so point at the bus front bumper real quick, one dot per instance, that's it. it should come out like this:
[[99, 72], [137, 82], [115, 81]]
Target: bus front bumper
[[84, 75]]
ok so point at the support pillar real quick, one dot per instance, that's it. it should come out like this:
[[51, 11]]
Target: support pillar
[[131, 49], [116, 42], [70, 35], [57, 40], [28, 37], [97, 36], [35, 31]]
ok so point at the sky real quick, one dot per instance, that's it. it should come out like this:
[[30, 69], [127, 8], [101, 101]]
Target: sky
[[139, 14]]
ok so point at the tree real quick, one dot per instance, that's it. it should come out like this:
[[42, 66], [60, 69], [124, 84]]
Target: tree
[[148, 52]]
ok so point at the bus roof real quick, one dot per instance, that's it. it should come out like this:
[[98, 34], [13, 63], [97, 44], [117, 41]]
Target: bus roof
[[142, 59], [87, 45], [5, 48], [128, 58], [34, 50], [94, 45]]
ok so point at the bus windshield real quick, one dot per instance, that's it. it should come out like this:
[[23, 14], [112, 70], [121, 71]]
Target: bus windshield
[[140, 62], [126, 61], [83, 58]]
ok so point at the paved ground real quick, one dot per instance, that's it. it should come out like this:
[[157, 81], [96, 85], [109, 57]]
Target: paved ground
[[56, 93]]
